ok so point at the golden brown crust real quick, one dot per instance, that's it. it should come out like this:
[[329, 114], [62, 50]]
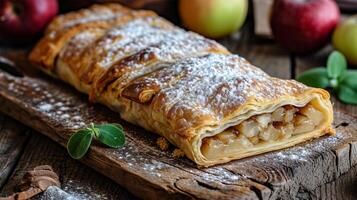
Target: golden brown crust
[[57, 36], [94, 13], [169, 81], [102, 57], [88, 58]]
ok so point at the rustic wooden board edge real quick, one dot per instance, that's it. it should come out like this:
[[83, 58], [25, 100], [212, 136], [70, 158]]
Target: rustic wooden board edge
[[252, 183]]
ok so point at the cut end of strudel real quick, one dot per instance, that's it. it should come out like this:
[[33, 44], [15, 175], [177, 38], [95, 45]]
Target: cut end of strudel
[[214, 106]]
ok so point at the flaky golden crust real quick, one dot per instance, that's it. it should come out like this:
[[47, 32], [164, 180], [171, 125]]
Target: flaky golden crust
[[169, 81], [95, 13], [64, 28]]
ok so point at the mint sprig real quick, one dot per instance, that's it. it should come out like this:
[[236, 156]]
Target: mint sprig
[[112, 135], [336, 65], [335, 76]]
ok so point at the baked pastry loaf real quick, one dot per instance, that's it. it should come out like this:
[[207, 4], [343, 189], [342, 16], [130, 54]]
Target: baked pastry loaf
[[213, 105]]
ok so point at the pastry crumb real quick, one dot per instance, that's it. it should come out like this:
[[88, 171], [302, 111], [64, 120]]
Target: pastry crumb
[[162, 143], [330, 131], [178, 153]]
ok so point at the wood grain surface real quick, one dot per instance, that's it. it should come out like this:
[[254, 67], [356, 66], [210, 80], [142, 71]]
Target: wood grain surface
[[75, 178], [56, 110]]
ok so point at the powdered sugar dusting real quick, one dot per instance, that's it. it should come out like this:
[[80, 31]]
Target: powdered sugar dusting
[[51, 103], [221, 174], [129, 38], [180, 44], [88, 16], [138, 159], [73, 190], [212, 85], [158, 51], [152, 34], [93, 14], [45, 107], [55, 193], [79, 43], [80, 191]]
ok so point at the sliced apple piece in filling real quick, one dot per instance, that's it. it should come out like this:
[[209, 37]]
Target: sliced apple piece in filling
[[224, 142], [303, 124], [278, 114], [313, 114], [264, 120], [248, 128]]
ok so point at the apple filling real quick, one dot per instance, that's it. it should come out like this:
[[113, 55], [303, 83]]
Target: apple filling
[[285, 122]]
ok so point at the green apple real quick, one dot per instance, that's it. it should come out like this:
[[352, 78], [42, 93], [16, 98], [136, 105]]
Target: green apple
[[344, 39], [213, 18]]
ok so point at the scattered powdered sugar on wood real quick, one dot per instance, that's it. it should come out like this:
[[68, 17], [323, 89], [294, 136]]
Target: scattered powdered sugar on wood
[[13, 87], [61, 109], [73, 190], [45, 107], [80, 191], [55, 193], [155, 167], [55, 104], [221, 174], [130, 155]]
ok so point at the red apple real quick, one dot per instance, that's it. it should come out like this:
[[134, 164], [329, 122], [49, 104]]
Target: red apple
[[303, 26], [21, 20]]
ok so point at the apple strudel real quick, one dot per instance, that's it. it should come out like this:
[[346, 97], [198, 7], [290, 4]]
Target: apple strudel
[[213, 105]]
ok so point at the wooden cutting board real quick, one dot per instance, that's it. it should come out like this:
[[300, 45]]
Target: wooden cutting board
[[57, 110]]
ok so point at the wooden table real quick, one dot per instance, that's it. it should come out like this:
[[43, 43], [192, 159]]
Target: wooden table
[[21, 149]]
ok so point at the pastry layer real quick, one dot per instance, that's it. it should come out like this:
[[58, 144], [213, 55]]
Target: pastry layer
[[178, 84]]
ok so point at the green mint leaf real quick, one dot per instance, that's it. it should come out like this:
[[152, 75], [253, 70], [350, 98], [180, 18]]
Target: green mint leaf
[[336, 65], [316, 77], [78, 144], [350, 79], [111, 135], [347, 94]]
